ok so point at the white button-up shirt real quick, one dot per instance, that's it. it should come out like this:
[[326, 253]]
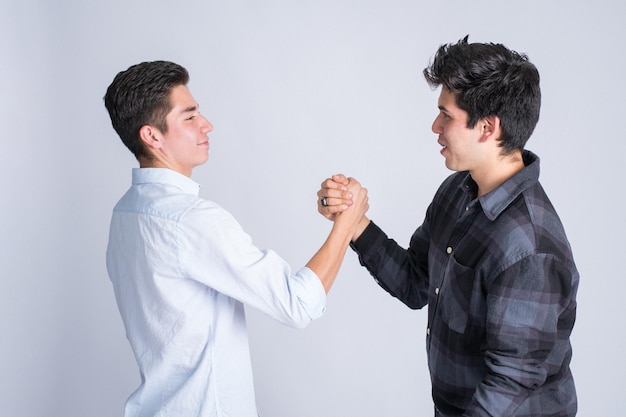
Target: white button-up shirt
[[182, 269]]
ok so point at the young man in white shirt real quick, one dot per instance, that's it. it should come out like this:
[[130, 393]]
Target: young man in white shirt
[[182, 268]]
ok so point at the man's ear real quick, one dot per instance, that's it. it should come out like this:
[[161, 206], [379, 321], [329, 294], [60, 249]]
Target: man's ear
[[490, 128], [151, 136]]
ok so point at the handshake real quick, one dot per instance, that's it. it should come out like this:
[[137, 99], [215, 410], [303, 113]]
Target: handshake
[[344, 201]]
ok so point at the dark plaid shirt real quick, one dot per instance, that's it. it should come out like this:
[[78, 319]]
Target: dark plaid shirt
[[500, 282]]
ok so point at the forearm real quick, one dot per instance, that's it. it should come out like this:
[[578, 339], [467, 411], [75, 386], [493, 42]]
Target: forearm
[[327, 261], [394, 268]]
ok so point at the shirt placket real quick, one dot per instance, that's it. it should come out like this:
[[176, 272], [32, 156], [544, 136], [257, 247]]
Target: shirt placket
[[467, 213]]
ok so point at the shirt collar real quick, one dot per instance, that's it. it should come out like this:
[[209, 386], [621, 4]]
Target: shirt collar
[[165, 176], [495, 201]]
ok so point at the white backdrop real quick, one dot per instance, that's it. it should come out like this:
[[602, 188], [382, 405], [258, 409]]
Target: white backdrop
[[297, 90]]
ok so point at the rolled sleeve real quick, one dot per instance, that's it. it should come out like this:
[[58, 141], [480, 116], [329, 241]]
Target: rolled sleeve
[[310, 292]]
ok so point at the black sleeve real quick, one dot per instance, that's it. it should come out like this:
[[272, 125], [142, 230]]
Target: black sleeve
[[402, 273]]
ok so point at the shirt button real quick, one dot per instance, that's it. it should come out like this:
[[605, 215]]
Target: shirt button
[[467, 208], [437, 291], [428, 331], [449, 250]]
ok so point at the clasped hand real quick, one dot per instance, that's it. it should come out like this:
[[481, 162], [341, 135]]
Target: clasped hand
[[341, 196]]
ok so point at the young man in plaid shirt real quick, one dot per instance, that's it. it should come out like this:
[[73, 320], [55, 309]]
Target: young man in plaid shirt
[[491, 259]]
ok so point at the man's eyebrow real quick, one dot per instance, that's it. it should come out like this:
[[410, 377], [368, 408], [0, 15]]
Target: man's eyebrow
[[190, 109]]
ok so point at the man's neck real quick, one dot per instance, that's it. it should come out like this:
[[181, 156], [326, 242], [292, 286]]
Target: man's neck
[[493, 175]]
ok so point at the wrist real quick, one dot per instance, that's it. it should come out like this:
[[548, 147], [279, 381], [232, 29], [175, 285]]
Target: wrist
[[360, 228]]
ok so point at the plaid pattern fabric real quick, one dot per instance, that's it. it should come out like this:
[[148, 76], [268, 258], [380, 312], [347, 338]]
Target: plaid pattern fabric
[[499, 279]]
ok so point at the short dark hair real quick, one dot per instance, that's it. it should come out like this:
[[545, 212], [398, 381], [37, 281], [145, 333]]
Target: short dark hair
[[489, 79], [139, 96]]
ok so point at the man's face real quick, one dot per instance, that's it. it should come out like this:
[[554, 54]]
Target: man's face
[[186, 143], [461, 145]]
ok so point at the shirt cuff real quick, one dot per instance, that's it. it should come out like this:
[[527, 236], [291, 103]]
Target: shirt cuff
[[368, 238]]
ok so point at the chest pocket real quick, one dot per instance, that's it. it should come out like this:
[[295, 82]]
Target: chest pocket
[[455, 295]]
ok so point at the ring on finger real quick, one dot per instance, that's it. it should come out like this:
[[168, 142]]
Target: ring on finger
[[324, 202]]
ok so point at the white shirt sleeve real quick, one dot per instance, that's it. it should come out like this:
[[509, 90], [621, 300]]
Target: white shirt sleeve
[[213, 249]]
